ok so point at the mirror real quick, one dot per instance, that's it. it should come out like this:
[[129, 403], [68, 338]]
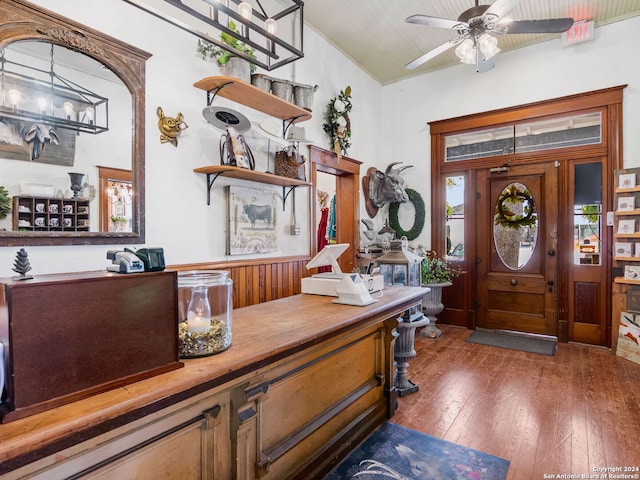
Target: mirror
[[515, 226], [42, 179]]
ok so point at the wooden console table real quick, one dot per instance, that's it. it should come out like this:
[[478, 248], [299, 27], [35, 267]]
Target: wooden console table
[[303, 381]]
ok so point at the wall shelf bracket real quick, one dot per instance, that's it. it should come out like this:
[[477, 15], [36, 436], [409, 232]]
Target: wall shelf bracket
[[285, 194], [211, 94]]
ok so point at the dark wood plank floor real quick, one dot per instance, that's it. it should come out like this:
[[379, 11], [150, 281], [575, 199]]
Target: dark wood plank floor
[[563, 414]]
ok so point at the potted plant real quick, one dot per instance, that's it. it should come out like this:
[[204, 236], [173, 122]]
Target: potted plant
[[5, 202], [436, 271], [118, 222], [229, 63], [436, 274]]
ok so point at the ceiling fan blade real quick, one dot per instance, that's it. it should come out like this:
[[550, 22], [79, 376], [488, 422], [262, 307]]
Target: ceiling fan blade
[[551, 25], [435, 21], [433, 53], [501, 7]]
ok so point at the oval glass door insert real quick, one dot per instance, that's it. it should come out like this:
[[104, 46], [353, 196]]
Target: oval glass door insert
[[515, 226]]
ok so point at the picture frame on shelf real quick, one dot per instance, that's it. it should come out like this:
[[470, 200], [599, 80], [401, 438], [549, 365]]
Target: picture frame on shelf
[[626, 204], [623, 249], [627, 180], [632, 272], [627, 226], [637, 250]]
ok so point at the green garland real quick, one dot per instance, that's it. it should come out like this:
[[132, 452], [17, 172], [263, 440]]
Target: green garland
[[506, 218], [418, 222]]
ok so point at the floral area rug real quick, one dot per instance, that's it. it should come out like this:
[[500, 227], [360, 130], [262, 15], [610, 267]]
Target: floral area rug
[[396, 452]]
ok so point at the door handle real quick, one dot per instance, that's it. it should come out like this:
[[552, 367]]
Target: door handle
[[552, 253], [513, 281]]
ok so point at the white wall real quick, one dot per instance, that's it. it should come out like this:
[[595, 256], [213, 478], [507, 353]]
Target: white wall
[[388, 123], [177, 216], [539, 72]]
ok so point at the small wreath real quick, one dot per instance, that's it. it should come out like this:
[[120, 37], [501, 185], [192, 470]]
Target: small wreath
[[506, 217], [418, 222]]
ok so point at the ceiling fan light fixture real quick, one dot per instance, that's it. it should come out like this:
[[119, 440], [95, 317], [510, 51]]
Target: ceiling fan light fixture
[[466, 51], [488, 45]]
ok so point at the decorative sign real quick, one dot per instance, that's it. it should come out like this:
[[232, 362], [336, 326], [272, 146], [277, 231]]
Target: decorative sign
[[579, 32]]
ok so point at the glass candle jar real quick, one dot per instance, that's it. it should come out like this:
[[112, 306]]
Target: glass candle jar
[[204, 312]]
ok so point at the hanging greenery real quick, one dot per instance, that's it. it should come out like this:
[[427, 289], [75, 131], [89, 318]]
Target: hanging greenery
[[338, 125], [513, 196], [418, 222]]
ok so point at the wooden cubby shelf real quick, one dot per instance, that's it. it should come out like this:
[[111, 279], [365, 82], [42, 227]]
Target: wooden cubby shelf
[[46, 214]]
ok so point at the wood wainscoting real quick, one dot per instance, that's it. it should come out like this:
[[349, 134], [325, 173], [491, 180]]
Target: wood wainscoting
[[259, 280]]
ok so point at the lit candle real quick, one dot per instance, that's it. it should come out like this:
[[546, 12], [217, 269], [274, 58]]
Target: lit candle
[[198, 324], [199, 311]]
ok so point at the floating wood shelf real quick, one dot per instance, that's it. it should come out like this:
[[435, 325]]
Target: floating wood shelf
[[214, 171], [246, 94]]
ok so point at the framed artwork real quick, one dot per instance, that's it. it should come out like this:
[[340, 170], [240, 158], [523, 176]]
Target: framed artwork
[[626, 204], [627, 226], [627, 180], [56, 147], [623, 249], [632, 272], [252, 221]]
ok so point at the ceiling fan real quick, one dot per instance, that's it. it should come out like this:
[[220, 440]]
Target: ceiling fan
[[475, 44]]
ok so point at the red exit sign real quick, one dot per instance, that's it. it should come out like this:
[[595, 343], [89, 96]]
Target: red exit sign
[[579, 32]]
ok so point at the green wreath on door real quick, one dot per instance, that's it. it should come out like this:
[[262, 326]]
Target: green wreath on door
[[418, 222]]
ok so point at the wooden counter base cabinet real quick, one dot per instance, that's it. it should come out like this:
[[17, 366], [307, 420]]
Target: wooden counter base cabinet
[[302, 383]]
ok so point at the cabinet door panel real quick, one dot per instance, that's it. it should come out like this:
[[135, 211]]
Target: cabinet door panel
[[177, 455]]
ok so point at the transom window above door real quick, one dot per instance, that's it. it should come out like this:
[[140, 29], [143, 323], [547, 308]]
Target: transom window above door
[[545, 134]]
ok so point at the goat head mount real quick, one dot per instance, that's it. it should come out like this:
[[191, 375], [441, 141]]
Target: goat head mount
[[170, 127]]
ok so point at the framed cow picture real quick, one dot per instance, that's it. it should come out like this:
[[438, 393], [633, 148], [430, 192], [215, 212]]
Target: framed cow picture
[[36, 142], [252, 220]]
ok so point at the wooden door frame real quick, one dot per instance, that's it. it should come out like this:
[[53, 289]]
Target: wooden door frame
[[347, 172], [105, 175], [608, 101]]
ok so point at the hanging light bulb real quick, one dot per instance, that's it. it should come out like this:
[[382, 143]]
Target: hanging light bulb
[[245, 10], [68, 109], [466, 52], [488, 45], [271, 25], [89, 115], [14, 98], [42, 104]]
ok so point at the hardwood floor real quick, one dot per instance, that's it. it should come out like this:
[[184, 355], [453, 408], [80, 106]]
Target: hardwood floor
[[556, 415]]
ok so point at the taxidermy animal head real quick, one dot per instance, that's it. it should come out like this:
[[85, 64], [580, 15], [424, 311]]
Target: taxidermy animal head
[[382, 188], [170, 127]]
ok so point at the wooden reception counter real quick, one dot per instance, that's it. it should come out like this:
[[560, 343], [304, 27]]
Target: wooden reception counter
[[303, 381]]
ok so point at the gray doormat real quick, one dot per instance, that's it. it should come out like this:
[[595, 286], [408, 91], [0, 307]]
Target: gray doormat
[[513, 342]]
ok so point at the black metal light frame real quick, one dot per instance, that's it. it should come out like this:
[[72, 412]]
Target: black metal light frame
[[57, 90], [275, 51]]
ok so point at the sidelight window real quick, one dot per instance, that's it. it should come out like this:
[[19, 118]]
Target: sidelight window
[[587, 213]]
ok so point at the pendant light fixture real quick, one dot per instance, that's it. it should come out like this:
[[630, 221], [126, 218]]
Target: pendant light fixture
[[257, 27], [33, 95]]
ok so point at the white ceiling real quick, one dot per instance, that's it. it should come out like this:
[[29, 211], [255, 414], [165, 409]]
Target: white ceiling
[[374, 34]]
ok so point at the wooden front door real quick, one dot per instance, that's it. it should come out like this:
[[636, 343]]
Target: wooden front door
[[517, 259]]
